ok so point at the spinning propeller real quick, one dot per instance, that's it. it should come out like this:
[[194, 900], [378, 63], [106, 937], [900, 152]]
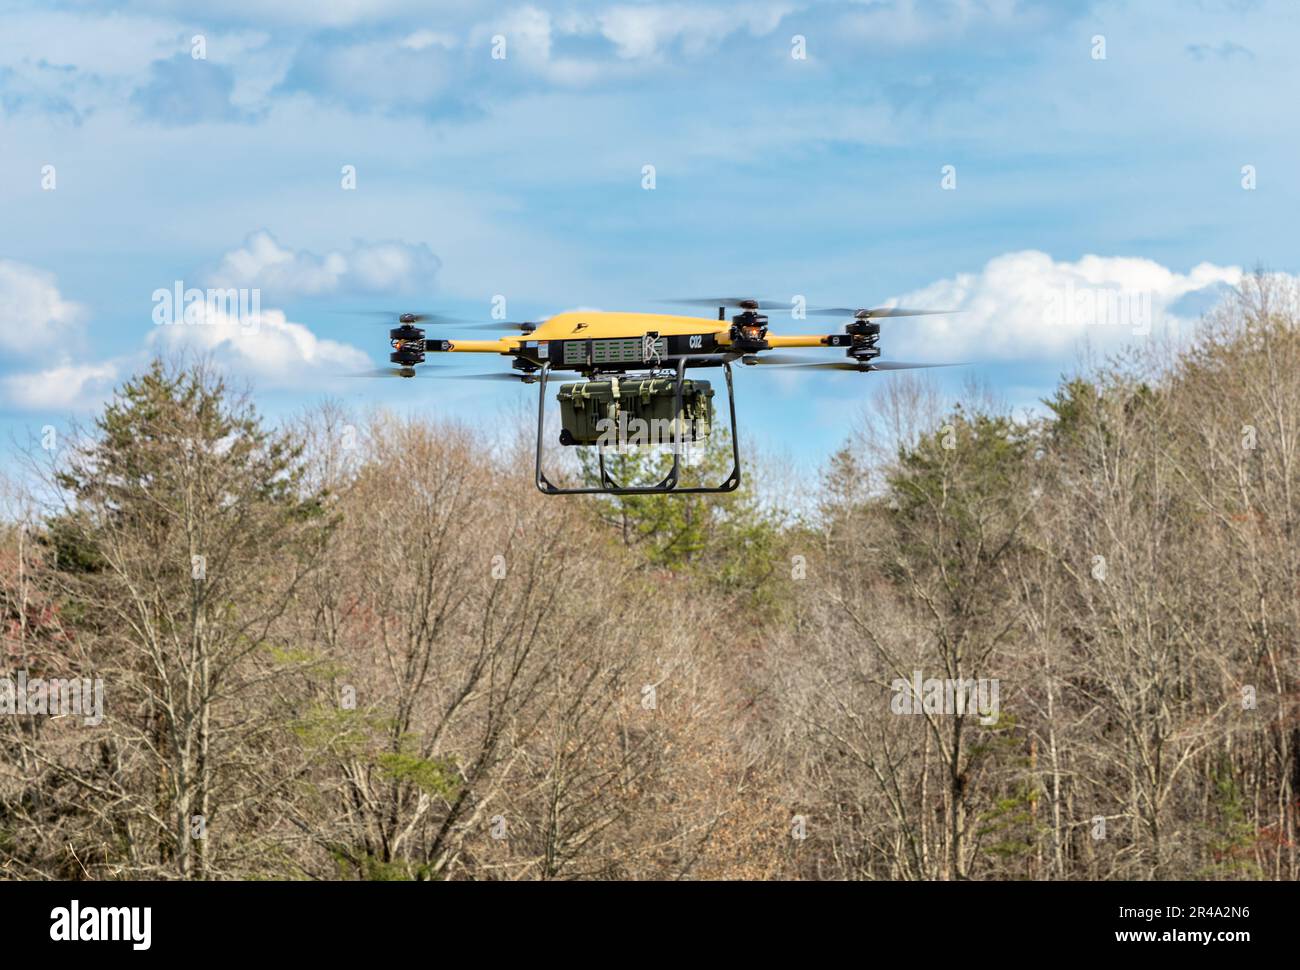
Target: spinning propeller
[[439, 320], [790, 360], [749, 303], [887, 311], [740, 302]]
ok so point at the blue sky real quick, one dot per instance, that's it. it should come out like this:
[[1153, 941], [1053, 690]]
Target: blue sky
[[1076, 176]]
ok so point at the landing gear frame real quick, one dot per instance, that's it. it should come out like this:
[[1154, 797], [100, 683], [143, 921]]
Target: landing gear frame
[[671, 482]]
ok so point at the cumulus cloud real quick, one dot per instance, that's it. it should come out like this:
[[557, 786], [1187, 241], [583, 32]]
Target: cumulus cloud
[[900, 23], [34, 316], [419, 73], [36, 319], [420, 39], [314, 14], [263, 263], [63, 387], [1025, 305], [264, 345], [635, 36], [444, 74], [1224, 52], [643, 32], [531, 35], [184, 91]]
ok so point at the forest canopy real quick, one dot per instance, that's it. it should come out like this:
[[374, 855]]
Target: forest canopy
[[1060, 646]]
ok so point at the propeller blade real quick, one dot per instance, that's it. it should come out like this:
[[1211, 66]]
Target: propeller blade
[[743, 302], [520, 326], [525, 326], [446, 374], [888, 311], [784, 360], [907, 365], [393, 317], [824, 365], [850, 365], [499, 325], [390, 372], [390, 318], [514, 376]]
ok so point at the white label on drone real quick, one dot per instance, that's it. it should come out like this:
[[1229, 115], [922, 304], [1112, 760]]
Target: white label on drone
[[544, 349]]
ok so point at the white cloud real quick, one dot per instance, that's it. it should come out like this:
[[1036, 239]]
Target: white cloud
[[1026, 306], [259, 343], [529, 33], [899, 23], [391, 266], [266, 346], [641, 36], [103, 45], [642, 32], [36, 319], [64, 387], [263, 263], [420, 39], [310, 13], [34, 316], [78, 63]]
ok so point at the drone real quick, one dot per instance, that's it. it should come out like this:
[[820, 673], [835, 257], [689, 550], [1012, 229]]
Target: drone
[[632, 384]]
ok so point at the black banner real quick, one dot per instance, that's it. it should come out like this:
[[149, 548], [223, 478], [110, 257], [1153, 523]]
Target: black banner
[[969, 921]]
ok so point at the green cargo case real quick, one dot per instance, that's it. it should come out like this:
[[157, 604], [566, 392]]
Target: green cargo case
[[585, 405]]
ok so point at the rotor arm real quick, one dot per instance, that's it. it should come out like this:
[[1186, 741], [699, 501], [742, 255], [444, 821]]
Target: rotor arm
[[503, 345], [808, 340]]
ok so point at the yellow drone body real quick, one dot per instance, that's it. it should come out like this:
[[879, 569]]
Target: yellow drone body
[[622, 360]]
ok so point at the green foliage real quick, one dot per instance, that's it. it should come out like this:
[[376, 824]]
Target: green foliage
[[166, 425], [1007, 827], [844, 488], [1073, 406], [957, 497], [970, 459], [729, 537], [930, 560], [297, 656], [330, 727], [434, 776], [371, 868], [181, 466], [1233, 844], [73, 550]]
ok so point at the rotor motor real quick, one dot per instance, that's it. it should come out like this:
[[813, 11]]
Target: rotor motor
[[408, 344], [864, 334], [749, 331]]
